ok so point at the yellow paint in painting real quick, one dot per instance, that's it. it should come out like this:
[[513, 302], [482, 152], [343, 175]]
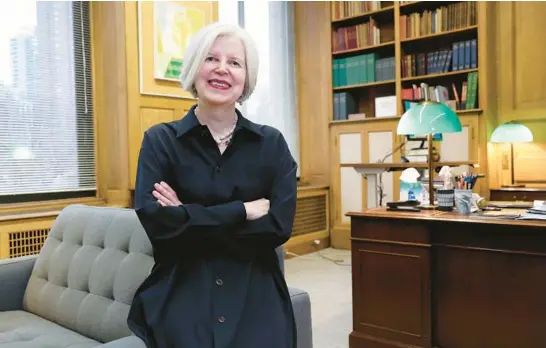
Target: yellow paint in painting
[[175, 23]]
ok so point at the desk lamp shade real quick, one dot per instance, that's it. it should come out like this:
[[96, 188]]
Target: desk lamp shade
[[429, 117], [512, 132]]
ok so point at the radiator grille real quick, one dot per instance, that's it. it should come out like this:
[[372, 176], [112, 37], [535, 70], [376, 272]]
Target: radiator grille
[[310, 215], [26, 242]]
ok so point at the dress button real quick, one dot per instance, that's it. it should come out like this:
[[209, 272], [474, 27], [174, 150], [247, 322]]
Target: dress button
[[221, 319], [219, 282]]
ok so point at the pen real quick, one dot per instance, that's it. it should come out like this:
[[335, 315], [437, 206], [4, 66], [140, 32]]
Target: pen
[[473, 182]]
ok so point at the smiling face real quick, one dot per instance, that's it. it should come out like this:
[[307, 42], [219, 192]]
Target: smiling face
[[221, 78]]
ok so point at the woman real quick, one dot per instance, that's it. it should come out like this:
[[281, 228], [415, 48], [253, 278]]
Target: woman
[[216, 194]]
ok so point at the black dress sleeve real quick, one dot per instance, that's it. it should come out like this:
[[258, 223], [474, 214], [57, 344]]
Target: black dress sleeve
[[274, 228], [186, 223]]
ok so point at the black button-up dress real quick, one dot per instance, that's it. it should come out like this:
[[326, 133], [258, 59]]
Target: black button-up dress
[[216, 282]]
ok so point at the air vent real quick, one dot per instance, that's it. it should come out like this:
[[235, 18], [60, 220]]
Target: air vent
[[310, 215], [23, 237], [27, 242]]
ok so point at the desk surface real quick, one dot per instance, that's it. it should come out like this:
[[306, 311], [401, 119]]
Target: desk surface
[[437, 215]]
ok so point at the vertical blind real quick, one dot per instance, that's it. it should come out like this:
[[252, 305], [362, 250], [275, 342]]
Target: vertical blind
[[46, 105]]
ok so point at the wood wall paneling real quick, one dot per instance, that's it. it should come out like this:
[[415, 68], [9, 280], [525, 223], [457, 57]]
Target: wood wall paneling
[[522, 87], [520, 90], [110, 94], [313, 66], [529, 164]]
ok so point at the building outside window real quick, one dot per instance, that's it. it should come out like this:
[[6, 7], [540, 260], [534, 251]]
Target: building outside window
[[46, 106]]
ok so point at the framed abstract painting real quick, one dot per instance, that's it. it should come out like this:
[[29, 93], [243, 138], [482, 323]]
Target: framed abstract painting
[[164, 31]]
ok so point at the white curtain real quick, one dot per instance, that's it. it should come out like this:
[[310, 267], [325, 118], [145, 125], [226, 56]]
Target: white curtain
[[274, 101], [228, 11]]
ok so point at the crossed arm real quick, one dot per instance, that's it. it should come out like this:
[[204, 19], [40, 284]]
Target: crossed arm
[[257, 224]]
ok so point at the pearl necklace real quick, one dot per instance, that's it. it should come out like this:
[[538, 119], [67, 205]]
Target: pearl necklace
[[223, 140]]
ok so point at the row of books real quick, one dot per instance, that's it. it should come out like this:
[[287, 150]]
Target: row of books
[[364, 68], [356, 36], [463, 55], [469, 92], [446, 18], [464, 98], [417, 93], [344, 105], [344, 9]]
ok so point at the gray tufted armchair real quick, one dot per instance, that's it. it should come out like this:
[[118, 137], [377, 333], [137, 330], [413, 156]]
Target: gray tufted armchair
[[77, 292]]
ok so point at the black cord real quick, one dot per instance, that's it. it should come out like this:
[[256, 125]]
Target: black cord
[[380, 185], [337, 262]]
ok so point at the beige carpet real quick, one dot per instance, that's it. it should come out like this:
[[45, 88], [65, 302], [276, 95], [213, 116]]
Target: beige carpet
[[329, 286]]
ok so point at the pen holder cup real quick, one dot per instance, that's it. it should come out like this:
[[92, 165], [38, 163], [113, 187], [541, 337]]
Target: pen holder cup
[[463, 201], [446, 199]]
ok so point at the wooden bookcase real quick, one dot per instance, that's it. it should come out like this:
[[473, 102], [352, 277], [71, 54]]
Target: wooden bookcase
[[414, 44]]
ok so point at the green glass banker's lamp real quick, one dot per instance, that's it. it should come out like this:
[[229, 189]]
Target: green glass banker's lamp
[[512, 132], [429, 117]]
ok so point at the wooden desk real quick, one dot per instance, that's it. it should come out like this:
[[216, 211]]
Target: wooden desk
[[436, 279]]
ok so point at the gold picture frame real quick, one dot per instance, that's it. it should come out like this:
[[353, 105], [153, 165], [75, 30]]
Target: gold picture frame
[[163, 32]]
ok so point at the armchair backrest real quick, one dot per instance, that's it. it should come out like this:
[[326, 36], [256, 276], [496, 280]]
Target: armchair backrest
[[89, 269]]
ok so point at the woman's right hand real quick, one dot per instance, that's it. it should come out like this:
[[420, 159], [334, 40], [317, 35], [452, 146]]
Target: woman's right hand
[[256, 209]]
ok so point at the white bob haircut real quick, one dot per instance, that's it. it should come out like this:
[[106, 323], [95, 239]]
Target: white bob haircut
[[199, 48]]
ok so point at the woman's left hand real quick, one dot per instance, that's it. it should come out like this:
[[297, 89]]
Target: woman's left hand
[[165, 195]]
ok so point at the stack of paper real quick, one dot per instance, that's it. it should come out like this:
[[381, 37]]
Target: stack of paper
[[537, 212]]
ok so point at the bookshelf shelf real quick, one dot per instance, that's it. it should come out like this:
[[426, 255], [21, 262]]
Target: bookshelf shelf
[[438, 75], [362, 16], [409, 4], [442, 34], [470, 111], [365, 120], [390, 118], [364, 85], [364, 49]]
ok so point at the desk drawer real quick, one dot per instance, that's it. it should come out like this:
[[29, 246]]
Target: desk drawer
[[529, 196], [392, 229]]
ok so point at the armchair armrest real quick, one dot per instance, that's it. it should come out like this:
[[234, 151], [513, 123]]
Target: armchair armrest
[[301, 302], [14, 276]]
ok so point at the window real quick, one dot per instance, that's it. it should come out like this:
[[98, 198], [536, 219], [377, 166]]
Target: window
[[46, 107], [274, 101]]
